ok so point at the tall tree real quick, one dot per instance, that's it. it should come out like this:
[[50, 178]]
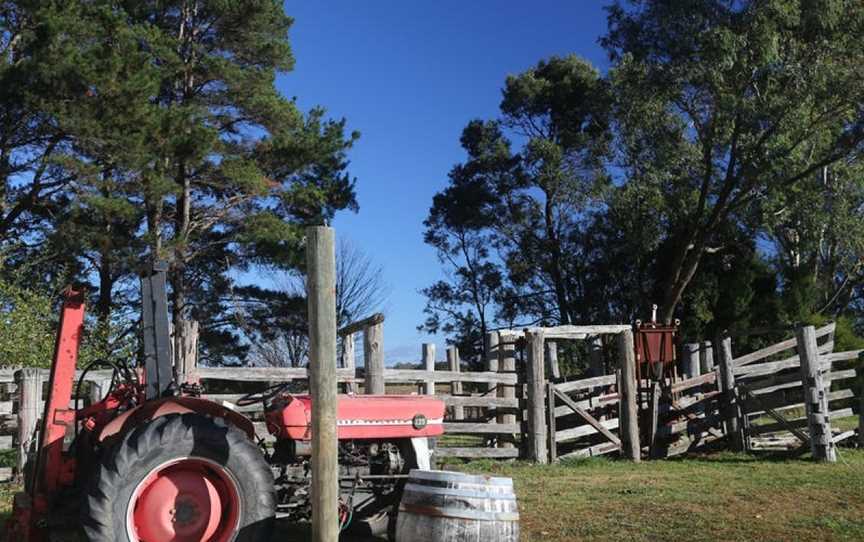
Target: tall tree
[[509, 225], [723, 103], [172, 143]]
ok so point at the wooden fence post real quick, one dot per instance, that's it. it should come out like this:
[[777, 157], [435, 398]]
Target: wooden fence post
[[552, 358], [628, 417], [373, 357], [456, 385], [861, 400], [815, 397], [691, 366], [706, 357], [186, 352], [321, 295], [29, 383], [595, 355], [492, 341], [732, 415], [348, 359], [507, 364], [550, 410], [429, 364], [536, 385]]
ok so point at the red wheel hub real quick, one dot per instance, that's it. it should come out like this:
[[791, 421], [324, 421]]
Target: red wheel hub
[[185, 500]]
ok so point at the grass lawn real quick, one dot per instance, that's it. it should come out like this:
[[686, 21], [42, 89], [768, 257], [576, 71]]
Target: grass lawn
[[721, 497]]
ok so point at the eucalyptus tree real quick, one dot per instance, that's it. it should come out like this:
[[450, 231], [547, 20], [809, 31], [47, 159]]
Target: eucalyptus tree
[[722, 104]]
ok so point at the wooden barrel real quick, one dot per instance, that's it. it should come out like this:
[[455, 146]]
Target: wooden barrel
[[442, 506]]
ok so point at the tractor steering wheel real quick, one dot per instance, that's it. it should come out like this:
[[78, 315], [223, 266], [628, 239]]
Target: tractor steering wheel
[[262, 396]]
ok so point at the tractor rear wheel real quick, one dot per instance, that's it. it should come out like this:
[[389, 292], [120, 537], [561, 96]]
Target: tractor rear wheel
[[185, 478]]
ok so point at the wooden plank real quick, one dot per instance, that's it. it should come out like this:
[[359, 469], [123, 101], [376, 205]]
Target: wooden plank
[[694, 402], [839, 437], [592, 451], [574, 433], [360, 325], [600, 401], [841, 356], [694, 382], [585, 383], [685, 445], [841, 413], [580, 332], [797, 423], [695, 423], [464, 428], [841, 394], [840, 375], [763, 382], [536, 388], [779, 347], [264, 374], [416, 375], [793, 362], [550, 413], [478, 453], [482, 401], [587, 417], [800, 435]]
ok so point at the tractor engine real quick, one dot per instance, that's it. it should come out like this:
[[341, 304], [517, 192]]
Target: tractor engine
[[381, 438]]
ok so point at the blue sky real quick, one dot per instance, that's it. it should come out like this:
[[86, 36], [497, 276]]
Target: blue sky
[[409, 75]]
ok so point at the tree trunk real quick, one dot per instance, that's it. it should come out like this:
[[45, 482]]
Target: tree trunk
[[178, 271], [555, 269], [682, 274], [106, 285]]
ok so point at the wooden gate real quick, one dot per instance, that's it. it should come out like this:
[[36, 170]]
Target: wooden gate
[[583, 417]]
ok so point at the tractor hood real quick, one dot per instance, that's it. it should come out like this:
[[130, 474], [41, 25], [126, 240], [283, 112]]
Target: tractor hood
[[361, 417]]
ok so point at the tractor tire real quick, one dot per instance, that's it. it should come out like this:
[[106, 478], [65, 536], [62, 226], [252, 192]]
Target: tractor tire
[[181, 477]]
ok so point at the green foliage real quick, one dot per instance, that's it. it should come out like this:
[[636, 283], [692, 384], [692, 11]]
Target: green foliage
[[26, 334], [715, 170], [134, 131], [29, 328]]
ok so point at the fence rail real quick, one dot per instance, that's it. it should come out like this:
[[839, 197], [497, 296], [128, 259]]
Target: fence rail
[[515, 407]]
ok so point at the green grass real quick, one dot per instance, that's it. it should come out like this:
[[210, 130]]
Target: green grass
[[724, 497]]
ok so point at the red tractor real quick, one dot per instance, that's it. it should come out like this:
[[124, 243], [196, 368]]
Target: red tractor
[[154, 462]]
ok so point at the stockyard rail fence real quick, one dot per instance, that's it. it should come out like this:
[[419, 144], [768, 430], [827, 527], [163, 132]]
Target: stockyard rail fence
[[781, 398]]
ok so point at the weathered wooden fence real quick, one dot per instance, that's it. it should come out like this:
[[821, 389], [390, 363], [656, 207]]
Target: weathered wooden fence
[[784, 396], [585, 416], [791, 392]]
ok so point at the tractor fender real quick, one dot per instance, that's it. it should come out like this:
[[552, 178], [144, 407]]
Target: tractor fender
[[157, 408]]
